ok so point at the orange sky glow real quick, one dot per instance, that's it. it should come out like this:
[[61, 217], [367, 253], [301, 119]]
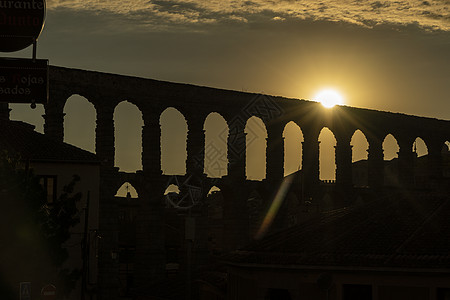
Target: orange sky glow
[[384, 55]]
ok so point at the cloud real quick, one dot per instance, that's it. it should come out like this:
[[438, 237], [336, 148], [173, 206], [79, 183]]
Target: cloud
[[277, 18], [430, 15]]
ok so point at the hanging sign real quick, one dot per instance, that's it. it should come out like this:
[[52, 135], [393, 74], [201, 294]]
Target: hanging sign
[[21, 23], [23, 80]]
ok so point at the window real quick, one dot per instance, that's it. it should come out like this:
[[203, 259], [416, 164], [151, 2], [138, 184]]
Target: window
[[49, 185]]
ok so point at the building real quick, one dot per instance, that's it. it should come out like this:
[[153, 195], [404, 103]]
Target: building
[[56, 163], [393, 247]]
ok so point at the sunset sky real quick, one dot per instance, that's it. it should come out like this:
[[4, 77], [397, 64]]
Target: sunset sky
[[385, 55]]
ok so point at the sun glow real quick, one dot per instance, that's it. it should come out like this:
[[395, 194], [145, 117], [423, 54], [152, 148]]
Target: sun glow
[[329, 98]]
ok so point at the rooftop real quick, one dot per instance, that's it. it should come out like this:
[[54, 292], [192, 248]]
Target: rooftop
[[408, 231], [19, 137]]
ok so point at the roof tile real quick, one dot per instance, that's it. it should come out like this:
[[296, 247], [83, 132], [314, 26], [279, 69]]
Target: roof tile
[[19, 137]]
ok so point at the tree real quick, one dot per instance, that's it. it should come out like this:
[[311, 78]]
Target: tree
[[33, 232]]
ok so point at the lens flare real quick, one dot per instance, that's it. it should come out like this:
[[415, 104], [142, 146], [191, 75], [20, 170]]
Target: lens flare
[[274, 207]]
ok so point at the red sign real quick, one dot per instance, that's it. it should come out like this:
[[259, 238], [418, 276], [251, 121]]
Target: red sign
[[21, 22], [48, 292]]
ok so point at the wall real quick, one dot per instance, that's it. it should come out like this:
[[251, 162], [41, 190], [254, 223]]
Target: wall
[[89, 182], [195, 103], [254, 283]]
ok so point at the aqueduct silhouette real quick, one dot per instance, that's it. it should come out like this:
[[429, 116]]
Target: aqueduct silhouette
[[152, 97]]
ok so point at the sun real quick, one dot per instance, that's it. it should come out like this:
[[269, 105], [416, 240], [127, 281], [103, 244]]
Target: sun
[[329, 98]]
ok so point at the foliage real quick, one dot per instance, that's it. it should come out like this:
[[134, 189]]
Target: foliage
[[37, 230]]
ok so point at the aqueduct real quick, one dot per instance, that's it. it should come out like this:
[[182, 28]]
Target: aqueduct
[[195, 103]]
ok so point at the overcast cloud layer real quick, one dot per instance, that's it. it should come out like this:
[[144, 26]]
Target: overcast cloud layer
[[430, 15]]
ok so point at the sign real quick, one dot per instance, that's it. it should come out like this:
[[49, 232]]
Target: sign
[[23, 80], [25, 291], [21, 22], [48, 292]]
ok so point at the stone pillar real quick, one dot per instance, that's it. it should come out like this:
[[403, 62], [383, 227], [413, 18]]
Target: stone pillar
[[274, 177], [200, 251], [151, 145], [236, 151], [375, 164], [275, 153], [195, 147], [234, 191], [195, 166], [108, 263], [435, 159], [4, 111], [406, 164], [104, 141], [150, 220], [310, 162], [235, 218], [108, 243], [54, 116], [150, 239], [344, 162]]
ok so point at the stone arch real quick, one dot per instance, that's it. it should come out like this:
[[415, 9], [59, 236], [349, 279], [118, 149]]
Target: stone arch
[[420, 147], [174, 130], [327, 155], [447, 143], [213, 189], [421, 162], [256, 147], [293, 139], [126, 188], [391, 149], [22, 112], [79, 122], [172, 188], [128, 124], [216, 150], [171, 194], [360, 146]]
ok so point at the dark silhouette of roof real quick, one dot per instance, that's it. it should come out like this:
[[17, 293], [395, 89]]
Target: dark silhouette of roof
[[20, 138], [409, 231]]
